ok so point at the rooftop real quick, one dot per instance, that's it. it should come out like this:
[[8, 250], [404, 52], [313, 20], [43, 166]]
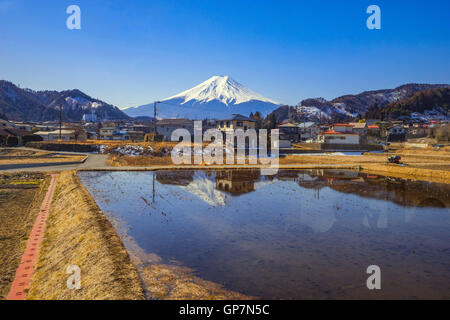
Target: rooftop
[[358, 125], [173, 122], [341, 133], [238, 117], [287, 125]]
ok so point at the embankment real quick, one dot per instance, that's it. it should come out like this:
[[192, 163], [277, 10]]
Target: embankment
[[437, 176], [79, 234]]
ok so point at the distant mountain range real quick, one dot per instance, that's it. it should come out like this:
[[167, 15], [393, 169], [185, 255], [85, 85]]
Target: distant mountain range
[[27, 105], [350, 106], [217, 98], [435, 101]]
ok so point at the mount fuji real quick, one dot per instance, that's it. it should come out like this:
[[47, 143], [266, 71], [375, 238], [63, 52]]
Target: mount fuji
[[217, 98]]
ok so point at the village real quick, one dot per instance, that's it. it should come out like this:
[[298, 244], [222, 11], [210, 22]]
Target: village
[[361, 135]]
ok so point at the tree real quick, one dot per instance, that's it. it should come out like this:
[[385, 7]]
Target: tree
[[258, 118], [78, 132], [270, 122]]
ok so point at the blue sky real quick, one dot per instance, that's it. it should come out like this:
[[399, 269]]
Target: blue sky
[[132, 52]]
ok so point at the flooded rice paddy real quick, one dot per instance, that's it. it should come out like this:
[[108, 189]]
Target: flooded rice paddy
[[297, 235]]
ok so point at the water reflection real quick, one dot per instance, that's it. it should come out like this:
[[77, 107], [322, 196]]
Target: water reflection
[[296, 235], [399, 191]]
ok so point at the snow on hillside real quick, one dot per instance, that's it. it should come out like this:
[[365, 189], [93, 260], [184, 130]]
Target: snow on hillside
[[80, 102], [217, 97]]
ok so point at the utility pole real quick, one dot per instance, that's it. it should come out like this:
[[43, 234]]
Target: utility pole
[[60, 122], [154, 115]]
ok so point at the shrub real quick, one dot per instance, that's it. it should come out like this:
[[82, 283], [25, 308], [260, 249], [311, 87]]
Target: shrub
[[12, 141], [30, 138], [153, 138]]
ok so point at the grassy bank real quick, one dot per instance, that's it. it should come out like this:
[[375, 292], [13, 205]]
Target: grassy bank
[[422, 174], [79, 234]]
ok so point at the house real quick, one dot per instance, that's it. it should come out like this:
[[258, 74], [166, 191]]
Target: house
[[336, 137], [360, 128], [141, 127], [373, 130], [66, 135], [110, 131], [166, 127], [4, 124], [342, 127], [130, 134], [283, 141], [371, 122], [396, 134], [237, 121], [289, 131], [308, 131], [23, 126]]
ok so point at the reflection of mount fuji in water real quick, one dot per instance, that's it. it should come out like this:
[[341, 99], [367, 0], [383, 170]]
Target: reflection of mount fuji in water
[[215, 187]]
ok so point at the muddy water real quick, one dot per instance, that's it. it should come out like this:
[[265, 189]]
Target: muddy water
[[298, 235]]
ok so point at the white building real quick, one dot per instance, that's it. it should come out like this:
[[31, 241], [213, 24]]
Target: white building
[[66, 135], [334, 137]]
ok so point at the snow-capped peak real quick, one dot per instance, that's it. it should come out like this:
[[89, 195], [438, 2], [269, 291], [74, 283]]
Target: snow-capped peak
[[221, 88]]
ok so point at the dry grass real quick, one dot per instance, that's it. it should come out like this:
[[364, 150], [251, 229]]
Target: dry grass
[[10, 152], [34, 160], [433, 166], [411, 172], [18, 210], [140, 161], [79, 234]]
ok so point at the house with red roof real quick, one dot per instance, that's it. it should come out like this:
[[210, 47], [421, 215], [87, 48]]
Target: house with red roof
[[339, 137]]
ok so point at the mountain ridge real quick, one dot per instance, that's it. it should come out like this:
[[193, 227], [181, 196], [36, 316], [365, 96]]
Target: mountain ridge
[[432, 100], [359, 104], [29, 105]]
